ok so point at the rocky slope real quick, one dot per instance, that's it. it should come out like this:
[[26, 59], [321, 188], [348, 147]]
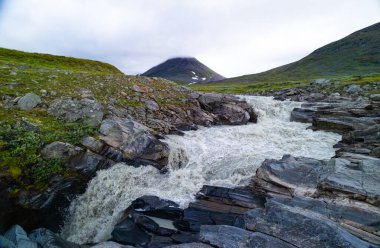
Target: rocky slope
[[356, 54], [184, 70]]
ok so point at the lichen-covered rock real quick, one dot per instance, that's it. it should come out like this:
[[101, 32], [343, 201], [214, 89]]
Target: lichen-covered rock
[[28, 101], [18, 237], [72, 110], [60, 150]]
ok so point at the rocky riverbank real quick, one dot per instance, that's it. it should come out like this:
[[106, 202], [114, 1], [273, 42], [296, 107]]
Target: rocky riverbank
[[291, 202], [129, 135]]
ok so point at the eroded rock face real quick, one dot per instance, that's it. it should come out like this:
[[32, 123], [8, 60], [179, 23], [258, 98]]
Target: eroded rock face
[[134, 142], [29, 101], [301, 228], [72, 110]]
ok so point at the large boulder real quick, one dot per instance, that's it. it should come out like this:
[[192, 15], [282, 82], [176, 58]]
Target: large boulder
[[134, 142], [17, 237], [28, 101], [232, 114], [60, 150], [301, 228], [72, 110]]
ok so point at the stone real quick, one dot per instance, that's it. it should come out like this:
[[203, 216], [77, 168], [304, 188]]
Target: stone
[[28, 125], [92, 144], [141, 88], [375, 97], [353, 89], [321, 82], [231, 114], [73, 110], [28, 101], [87, 94], [228, 236], [88, 163], [134, 141], [300, 228], [19, 237], [43, 92], [126, 232], [302, 115], [156, 207], [5, 243], [358, 218], [357, 180], [289, 176], [60, 150], [47, 239], [151, 105]]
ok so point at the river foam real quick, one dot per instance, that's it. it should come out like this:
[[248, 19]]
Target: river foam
[[223, 156]]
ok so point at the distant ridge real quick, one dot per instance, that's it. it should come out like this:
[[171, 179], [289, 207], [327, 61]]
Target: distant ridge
[[355, 54], [184, 70]]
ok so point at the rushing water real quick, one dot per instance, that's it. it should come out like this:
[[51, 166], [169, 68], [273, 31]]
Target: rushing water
[[224, 156]]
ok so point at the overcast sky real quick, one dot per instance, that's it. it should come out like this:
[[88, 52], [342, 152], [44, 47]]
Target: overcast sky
[[233, 37]]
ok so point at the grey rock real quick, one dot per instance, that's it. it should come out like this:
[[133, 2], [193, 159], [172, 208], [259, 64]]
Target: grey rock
[[47, 239], [73, 110], [358, 218], [353, 89], [28, 125], [302, 115], [232, 114], [375, 97], [43, 92], [302, 228], [28, 101], [289, 176], [321, 82], [60, 150], [92, 144], [88, 163], [19, 237], [356, 176], [228, 236], [134, 141], [128, 233], [6, 243], [151, 105]]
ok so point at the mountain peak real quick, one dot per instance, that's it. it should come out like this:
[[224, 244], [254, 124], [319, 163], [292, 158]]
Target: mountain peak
[[184, 70]]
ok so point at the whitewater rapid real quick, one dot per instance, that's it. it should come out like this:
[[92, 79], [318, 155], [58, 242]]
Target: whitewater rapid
[[222, 156]]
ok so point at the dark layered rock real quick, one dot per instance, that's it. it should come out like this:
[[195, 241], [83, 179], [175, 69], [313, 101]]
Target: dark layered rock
[[228, 236], [17, 237], [301, 228], [359, 219], [128, 233], [342, 176]]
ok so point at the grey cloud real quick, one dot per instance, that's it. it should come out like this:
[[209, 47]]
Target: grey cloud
[[233, 37]]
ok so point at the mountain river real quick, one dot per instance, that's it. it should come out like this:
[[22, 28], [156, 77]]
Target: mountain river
[[221, 155]]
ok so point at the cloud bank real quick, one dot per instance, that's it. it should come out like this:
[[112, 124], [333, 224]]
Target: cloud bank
[[233, 37]]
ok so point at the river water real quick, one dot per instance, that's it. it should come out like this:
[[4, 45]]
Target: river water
[[223, 156]]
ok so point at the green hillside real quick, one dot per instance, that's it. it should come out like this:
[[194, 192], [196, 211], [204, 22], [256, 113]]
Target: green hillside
[[356, 54], [54, 62]]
